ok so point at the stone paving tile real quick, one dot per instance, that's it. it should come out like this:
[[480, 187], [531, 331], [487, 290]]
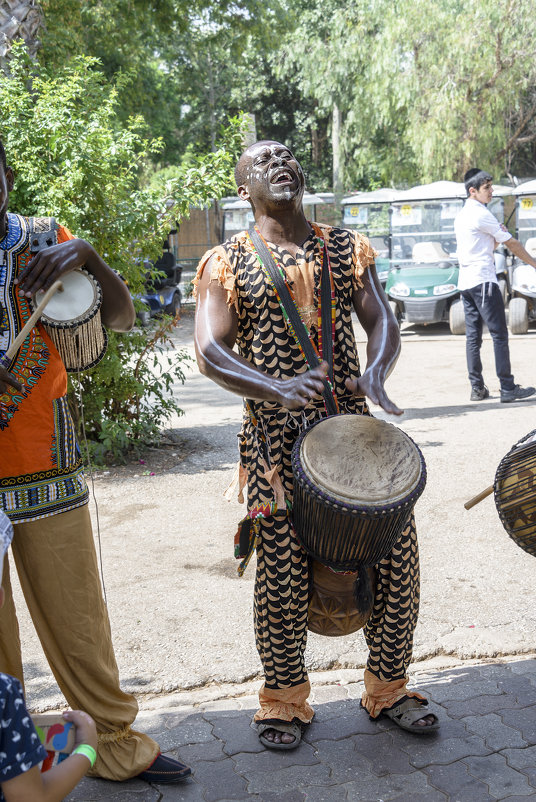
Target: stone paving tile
[[92, 790], [457, 783], [523, 667], [290, 796], [321, 793], [189, 791], [402, 788], [330, 710], [220, 780], [481, 705], [237, 735], [191, 753], [383, 754], [521, 687], [460, 691], [344, 726], [344, 760], [192, 731], [355, 690], [523, 760], [443, 750], [496, 735], [286, 780], [502, 780], [522, 720], [272, 759]]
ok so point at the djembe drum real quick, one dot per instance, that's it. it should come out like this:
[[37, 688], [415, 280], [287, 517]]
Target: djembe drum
[[515, 492], [72, 321], [356, 481]]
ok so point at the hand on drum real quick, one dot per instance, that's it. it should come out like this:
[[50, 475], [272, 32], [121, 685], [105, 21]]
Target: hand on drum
[[51, 264], [371, 386], [296, 393], [7, 379]]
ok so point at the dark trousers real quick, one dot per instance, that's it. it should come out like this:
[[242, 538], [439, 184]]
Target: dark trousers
[[484, 304]]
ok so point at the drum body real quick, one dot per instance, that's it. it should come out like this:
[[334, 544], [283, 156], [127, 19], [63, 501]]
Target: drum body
[[356, 481], [515, 492], [72, 321], [332, 608]]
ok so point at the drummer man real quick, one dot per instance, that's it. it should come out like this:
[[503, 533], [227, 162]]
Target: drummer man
[[237, 306], [43, 492]]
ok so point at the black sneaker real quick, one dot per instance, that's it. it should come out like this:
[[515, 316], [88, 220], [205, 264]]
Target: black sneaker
[[517, 394], [479, 393]]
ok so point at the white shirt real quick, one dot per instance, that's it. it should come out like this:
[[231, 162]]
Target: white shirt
[[477, 231]]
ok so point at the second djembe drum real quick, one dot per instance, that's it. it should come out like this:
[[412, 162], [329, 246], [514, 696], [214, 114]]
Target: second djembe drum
[[515, 492]]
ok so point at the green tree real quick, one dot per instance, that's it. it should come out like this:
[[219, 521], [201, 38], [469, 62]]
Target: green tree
[[74, 160]]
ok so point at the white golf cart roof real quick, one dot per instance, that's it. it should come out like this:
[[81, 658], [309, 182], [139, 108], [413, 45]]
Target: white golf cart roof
[[309, 199], [526, 188], [376, 196], [442, 190]]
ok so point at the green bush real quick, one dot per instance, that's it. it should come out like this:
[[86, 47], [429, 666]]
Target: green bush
[[74, 160]]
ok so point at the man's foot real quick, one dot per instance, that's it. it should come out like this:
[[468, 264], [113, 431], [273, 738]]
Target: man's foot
[[479, 393], [408, 712], [164, 770], [517, 394], [279, 735]]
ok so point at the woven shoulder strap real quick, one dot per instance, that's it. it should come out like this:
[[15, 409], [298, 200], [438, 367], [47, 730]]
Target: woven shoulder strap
[[43, 233], [294, 316]]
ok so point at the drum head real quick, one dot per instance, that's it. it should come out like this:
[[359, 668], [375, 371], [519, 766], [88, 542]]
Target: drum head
[[361, 460], [79, 297]]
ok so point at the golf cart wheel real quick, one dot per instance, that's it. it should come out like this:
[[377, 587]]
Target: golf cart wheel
[[518, 316], [144, 317], [395, 310], [176, 304], [503, 287], [457, 317]]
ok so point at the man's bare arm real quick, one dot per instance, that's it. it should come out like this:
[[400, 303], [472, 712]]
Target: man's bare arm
[[216, 326], [383, 341], [518, 250]]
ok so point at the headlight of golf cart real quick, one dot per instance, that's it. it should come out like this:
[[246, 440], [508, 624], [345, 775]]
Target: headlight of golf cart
[[382, 275], [528, 287], [400, 289], [443, 289]]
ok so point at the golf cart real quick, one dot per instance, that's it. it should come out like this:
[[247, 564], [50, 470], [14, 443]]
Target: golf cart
[[423, 282], [522, 307], [162, 292], [368, 213], [238, 216]]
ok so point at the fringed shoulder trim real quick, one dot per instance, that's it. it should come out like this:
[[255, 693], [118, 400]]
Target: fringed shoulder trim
[[220, 271], [364, 255]]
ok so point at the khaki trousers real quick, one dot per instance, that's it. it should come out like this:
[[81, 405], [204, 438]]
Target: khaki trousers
[[57, 567]]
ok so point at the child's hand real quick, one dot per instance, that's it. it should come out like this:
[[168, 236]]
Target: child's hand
[[86, 732]]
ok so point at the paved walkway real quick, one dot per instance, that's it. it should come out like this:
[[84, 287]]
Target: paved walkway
[[485, 750]]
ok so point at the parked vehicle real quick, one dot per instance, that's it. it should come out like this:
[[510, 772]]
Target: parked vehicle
[[162, 293], [238, 215], [368, 213], [423, 281], [522, 307]]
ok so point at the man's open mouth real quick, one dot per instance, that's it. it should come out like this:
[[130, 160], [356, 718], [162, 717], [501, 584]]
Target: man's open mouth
[[282, 177]]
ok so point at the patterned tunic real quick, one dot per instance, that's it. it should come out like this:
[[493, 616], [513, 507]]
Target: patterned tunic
[[40, 461], [265, 443]]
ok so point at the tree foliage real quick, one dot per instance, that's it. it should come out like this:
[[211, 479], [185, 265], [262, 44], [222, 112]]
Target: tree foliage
[[75, 160]]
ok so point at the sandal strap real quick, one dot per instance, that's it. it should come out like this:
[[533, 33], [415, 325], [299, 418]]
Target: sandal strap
[[291, 727], [409, 703]]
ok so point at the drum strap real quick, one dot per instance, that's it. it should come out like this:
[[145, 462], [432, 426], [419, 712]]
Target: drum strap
[[293, 315]]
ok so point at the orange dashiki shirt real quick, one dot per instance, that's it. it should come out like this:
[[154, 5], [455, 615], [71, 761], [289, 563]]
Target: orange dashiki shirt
[[40, 460]]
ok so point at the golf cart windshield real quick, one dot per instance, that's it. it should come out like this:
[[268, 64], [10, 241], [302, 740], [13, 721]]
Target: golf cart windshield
[[372, 220], [423, 231], [526, 221]]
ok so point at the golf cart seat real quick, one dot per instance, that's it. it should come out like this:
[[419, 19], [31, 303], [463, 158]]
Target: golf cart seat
[[429, 252], [530, 246]]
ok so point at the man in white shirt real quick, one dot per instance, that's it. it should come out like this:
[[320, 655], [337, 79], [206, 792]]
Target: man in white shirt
[[478, 232]]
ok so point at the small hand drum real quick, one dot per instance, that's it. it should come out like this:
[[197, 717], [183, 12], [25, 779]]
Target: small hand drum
[[515, 492], [73, 322]]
